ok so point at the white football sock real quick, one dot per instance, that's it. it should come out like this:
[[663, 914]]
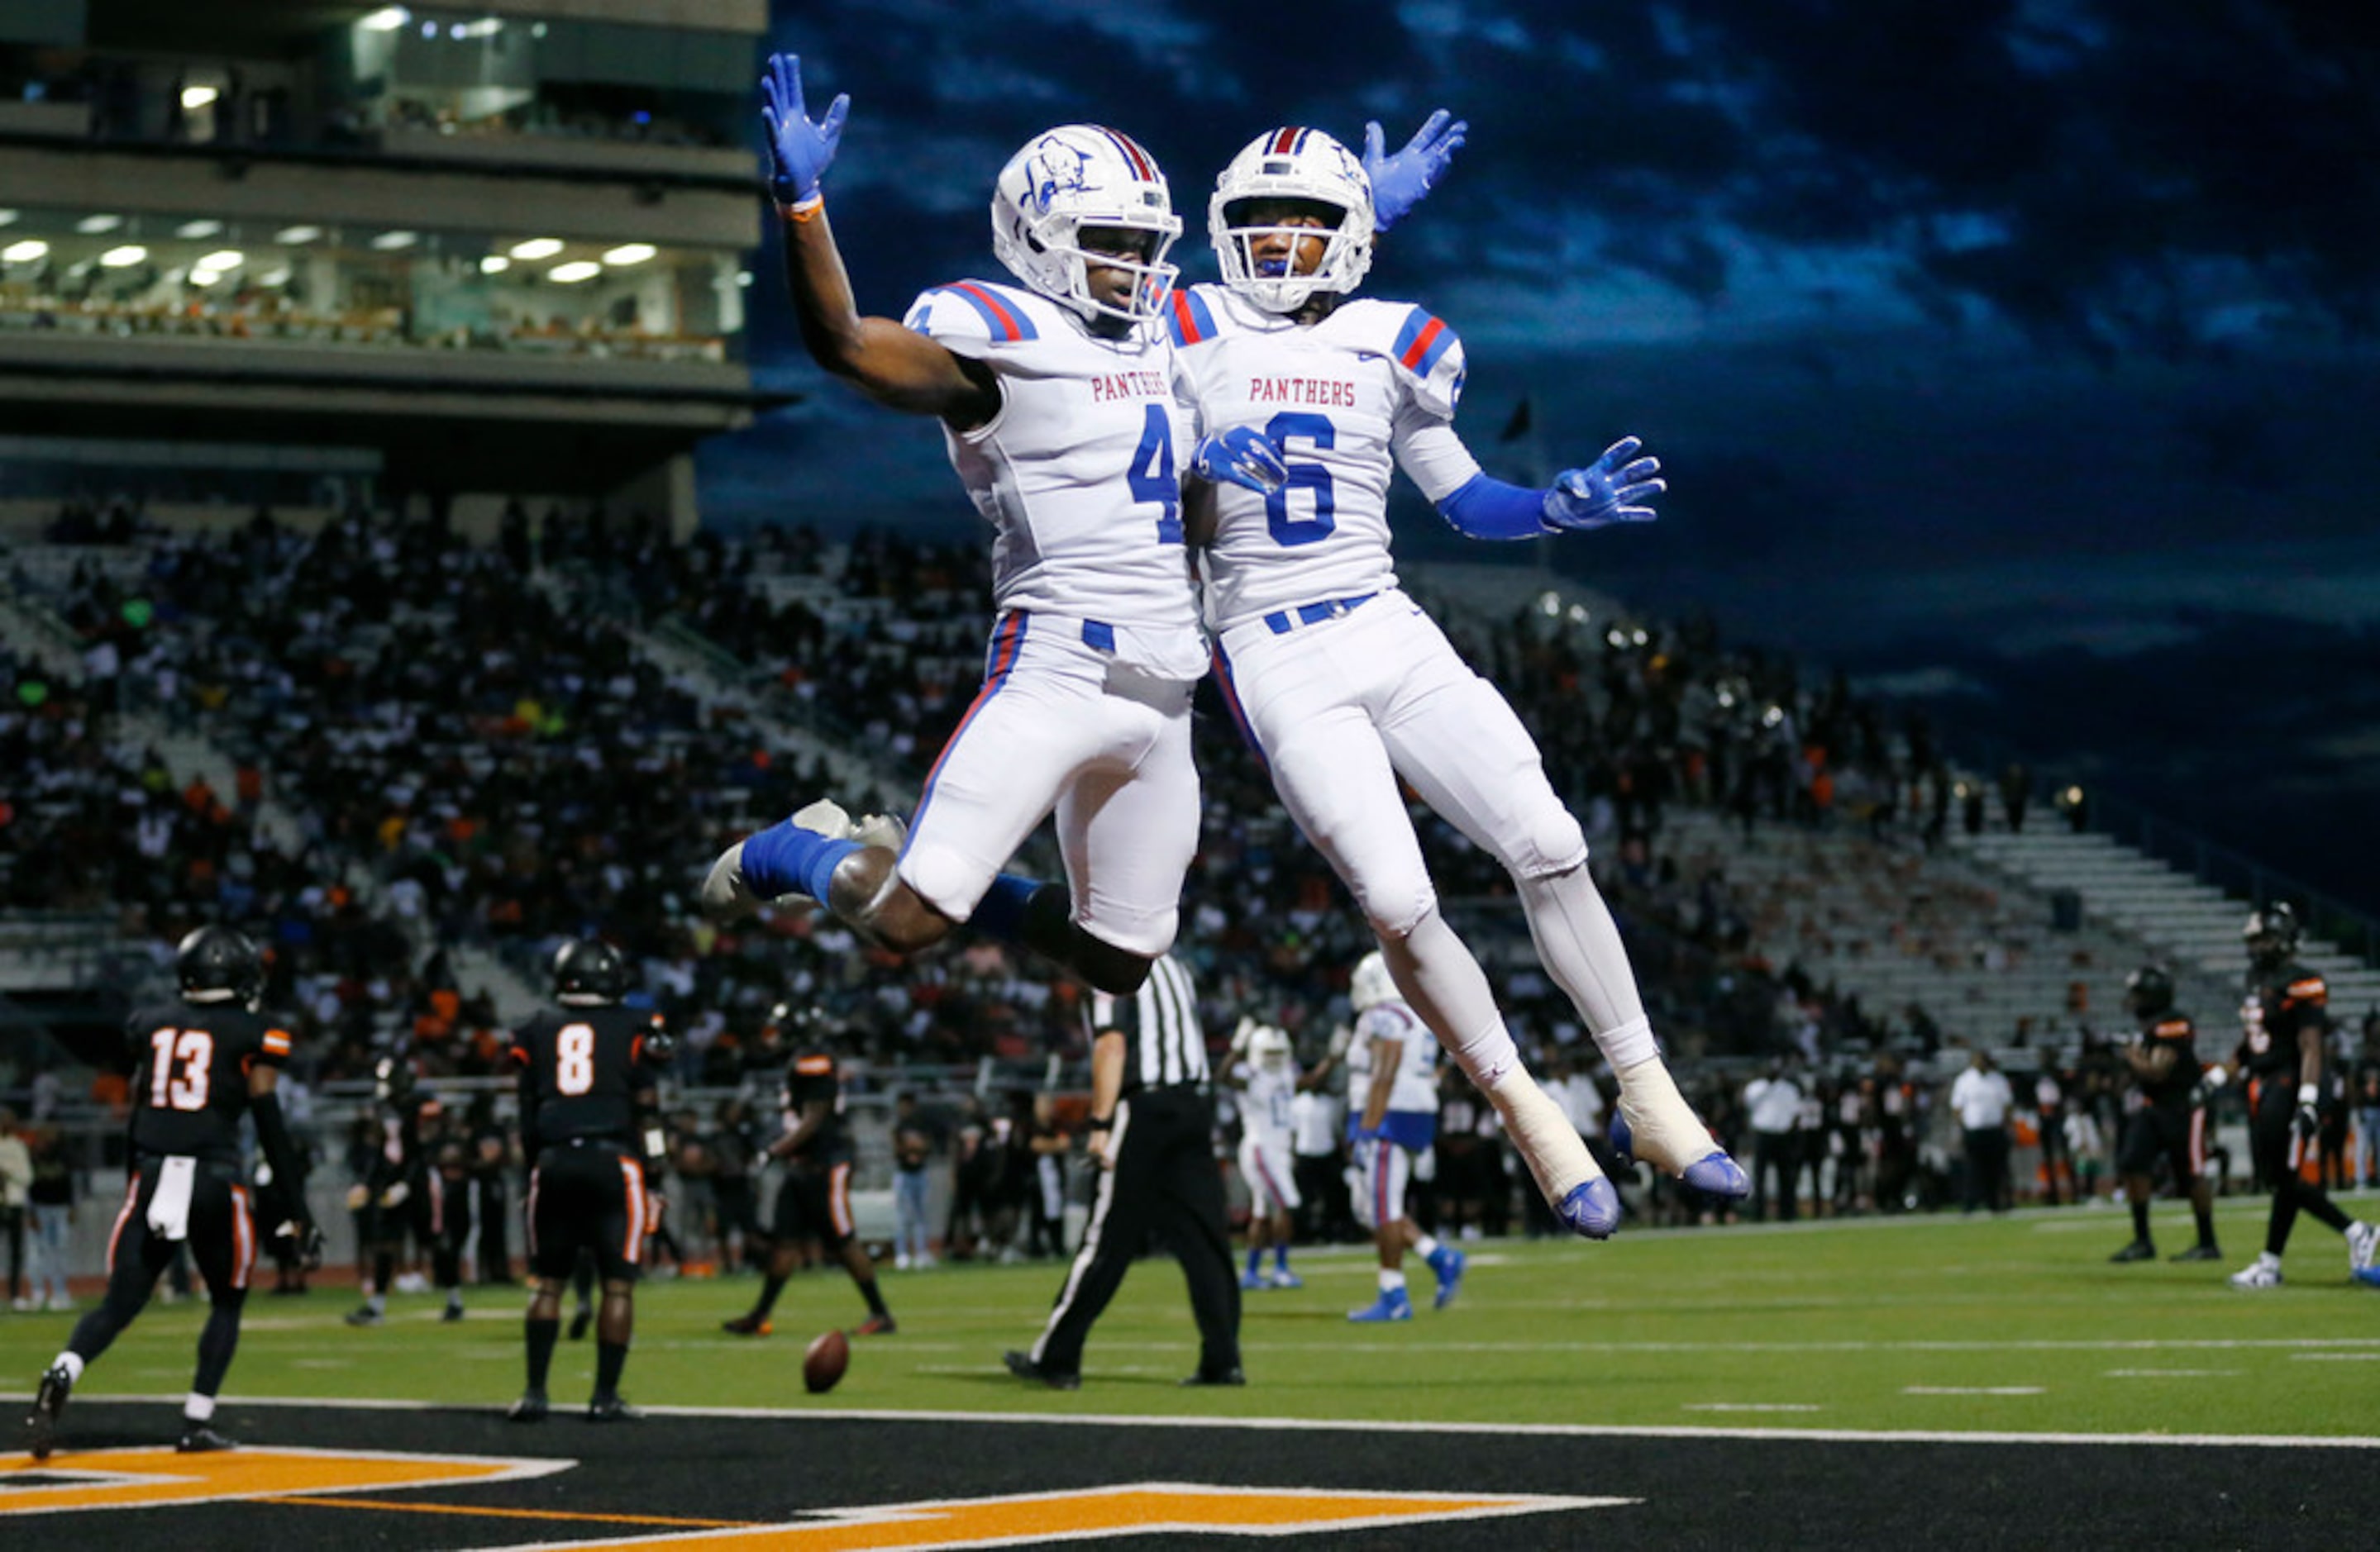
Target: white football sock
[[1579, 945]]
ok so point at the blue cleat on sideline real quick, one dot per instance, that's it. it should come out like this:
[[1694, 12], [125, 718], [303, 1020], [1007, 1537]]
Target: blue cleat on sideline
[[1394, 1304], [1592, 1209], [1252, 1280], [1447, 1264], [1714, 1173]]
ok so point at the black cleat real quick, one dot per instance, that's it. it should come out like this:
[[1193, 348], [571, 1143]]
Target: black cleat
[[453, 1313], [1022, 1366], [2139, 1250], [1232, 1376], [580, 1322], [49, 1405], [199, 1439], [2198, 1252], [530, 1408], [748, 1326], [366, 1316], [611, 1408]]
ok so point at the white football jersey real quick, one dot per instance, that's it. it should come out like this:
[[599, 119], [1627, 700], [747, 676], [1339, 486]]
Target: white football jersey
[[1265, 1102], [1416, 1085], [1078, 472], [1342, 399]]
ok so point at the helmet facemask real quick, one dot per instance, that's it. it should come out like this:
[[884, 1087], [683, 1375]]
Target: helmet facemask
[[1304, 170]]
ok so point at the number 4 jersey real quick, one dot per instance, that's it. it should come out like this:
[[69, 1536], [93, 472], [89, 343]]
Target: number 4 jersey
[[191, 1086], [1372, 386]]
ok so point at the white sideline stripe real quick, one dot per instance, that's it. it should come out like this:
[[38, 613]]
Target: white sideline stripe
[[2336, 1357], [2170, 1374], [2145, 1344], [1974, 1390], [1343, 1425], [1751, 1406]]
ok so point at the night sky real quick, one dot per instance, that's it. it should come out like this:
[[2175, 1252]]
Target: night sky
[[2019, 357]]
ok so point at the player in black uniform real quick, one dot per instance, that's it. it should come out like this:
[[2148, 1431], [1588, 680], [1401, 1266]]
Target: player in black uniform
[[587, 1072], [405, 1192], [2283, 1023], [2169, 1121], [814, 1196], [202, 1062]]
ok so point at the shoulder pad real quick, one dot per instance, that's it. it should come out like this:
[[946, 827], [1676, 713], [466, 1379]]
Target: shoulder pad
[[2308, 989], [276, 1042], [1191, 317], [970, 317], [814, 1064], [1424, 348]]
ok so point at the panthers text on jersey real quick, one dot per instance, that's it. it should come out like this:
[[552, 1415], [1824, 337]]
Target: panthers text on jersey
[[581, 1072], [190, 1087], [1343, 399], [1078, 473]]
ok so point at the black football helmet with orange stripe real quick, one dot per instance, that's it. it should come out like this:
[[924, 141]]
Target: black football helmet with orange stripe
[[2272, 934]]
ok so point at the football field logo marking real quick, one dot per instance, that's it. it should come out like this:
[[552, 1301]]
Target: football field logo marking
[[103, 1479], [1132, 1508]]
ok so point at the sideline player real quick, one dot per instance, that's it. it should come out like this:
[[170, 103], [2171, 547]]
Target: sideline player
[[404, 1193], [587, 1078], [2283, 1021], [1395, 1070], [1057, 409], [814, 1195], [204, 1061], [1343, 686], [2169, 1119], [1266, 1076]]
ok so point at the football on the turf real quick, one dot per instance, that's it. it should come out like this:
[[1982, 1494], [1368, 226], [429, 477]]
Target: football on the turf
[[822, 1365]]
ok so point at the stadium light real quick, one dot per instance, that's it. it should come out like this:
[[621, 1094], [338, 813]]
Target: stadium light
[[486, 27], [574, 272], [495, 263], [388, 18], [200, 228], [205, 276], [537, 247], [223, 259], [274, 277], [24, 252], [195, 97], [388, 242], [92, 225], [630, 253], [123, 257], [290, 236]]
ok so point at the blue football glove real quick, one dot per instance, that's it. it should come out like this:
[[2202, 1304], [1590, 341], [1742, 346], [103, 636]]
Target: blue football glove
[[1612, 490], [1399, 182], [799, 152], [1240, 456]]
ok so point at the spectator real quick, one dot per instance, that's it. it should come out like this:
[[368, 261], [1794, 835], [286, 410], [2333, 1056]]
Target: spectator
[[15, 1182], [51, 1200], [912, 1152], [1982, 1098], [1774, 1103]]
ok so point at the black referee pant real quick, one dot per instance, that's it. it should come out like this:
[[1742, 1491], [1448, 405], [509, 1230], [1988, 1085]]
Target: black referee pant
[[1165, 1181]]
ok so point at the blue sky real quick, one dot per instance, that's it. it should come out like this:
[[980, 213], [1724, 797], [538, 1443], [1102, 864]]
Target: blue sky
[[1969, 332]]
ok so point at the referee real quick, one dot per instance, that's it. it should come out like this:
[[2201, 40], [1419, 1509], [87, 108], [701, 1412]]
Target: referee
[[1152, 1129]]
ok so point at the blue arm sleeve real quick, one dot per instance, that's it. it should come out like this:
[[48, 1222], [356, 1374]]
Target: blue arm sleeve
[[1485, 508]]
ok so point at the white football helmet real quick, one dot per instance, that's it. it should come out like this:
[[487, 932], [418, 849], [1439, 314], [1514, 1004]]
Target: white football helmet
[[1075, 176], [1293, 163], [1370, 982], [1269, 1048]]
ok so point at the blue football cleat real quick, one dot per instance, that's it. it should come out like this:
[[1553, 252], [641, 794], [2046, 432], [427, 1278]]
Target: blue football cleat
[[1283, 1277], [1252, 1280], [2369, 1277], [1592, 1209], [1714, 1173], [1394, 1304], [1447, 1264]]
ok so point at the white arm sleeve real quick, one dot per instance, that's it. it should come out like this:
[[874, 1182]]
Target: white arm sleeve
[[1431, 454]]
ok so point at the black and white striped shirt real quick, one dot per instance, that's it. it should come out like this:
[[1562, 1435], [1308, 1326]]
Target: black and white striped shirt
[[1164, 1048]]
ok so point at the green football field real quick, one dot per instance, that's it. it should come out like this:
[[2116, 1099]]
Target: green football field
[[2013, 1325]]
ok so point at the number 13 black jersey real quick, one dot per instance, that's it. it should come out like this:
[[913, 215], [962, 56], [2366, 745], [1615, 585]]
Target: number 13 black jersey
[[190, 1087]]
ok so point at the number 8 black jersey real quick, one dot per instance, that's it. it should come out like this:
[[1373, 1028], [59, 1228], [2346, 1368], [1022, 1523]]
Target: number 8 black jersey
[[581, 1070], [190, 1087]]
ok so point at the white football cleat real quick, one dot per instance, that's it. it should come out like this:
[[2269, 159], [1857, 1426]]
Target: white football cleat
[[1654, 1122], [2363, 1239], [827, 817], [888, 830], [2263, 1272]]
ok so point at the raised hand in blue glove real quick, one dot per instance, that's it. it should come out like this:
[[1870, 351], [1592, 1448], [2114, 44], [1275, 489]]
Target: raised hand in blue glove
[[799, 152], [1611, 489], [1240, 456], [1400, 181]]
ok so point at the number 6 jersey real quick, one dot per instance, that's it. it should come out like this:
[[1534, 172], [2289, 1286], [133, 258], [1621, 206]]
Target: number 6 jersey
[[1372, 386], [190, 1088]]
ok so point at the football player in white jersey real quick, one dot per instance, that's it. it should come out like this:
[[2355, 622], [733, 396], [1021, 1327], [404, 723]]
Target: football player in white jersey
[[1343, 684], [1056, 403], [1392, 1121], [1265, 1071]]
